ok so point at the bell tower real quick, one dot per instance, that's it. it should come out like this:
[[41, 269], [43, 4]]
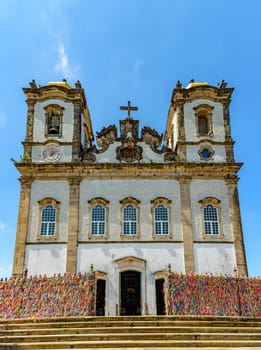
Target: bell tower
[[198, 125], [58, 123], [58, 130], [198, 131]]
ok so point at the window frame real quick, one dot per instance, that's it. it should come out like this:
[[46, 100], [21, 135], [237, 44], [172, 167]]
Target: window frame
[[217, 205], [136, 204], [53, 110], [42, 205], [209, 149], [167, 204], [204, 111], [92, 204]]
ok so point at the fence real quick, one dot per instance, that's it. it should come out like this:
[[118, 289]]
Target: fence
[[41, 297], [194, 294]]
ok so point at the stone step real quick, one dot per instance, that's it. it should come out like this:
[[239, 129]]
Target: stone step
[[129, 336], [145, 344], [125, 323], [93, 319], [160, 332], [134, 329]]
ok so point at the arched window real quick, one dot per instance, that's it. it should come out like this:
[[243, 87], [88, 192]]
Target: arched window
[[98, 217], [98, 220], [54, 124], [130, 217], [54, 115], [211, 220], [48, 223], [203, 127], [203, 114], [48, 220], [129, 220], [161, 217], [211, 216]]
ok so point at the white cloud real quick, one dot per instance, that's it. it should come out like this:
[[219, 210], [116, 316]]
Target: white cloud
[[2, 226], [54, 23], [63, 67]]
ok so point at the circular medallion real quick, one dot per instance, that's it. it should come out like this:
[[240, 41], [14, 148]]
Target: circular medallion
[[52, 153], [206, 153]]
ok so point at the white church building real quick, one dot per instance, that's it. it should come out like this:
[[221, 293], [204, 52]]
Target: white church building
[[128, 201]]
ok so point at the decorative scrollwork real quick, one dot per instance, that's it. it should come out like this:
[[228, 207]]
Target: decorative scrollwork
[[170, 156], [89, 157], [129, 151]]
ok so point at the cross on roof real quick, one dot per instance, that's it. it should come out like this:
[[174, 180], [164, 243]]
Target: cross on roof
[[128, 108]]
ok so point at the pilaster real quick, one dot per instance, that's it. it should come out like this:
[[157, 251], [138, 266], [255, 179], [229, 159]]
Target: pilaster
[[186, 219], [237, 226], [73, 224], [29, 129], [181, 149], [76, 132], [228, 139], [22, 226]]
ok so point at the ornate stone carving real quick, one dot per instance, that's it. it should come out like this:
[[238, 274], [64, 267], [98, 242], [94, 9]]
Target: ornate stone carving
[[106, 136], [129, 151], [170, 156], [151, 137], [129, 126], [89, 156]]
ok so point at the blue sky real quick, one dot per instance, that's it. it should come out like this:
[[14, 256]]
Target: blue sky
[[137, 50]]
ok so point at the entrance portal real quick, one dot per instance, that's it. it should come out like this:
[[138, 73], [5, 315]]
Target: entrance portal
[[130, 293]]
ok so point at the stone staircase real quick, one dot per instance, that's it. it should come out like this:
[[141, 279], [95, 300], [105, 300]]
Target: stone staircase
[[132, 332]]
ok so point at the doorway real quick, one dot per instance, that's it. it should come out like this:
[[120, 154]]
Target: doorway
[[130, 293], [100, 297], [160, 296]]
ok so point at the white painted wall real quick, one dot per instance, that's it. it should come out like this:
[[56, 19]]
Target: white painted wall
[[200, 189], [45, 259], [219, 156], [148, 156], [217, 121], [143, 190], [58, 190], [103, 257], [214, 258], [175, 122], [39, 121], [37, 154]]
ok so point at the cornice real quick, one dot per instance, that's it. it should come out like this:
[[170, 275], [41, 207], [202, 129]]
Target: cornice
[[153, 241], [131, 171], [180, 95], [208, 140], [221, 241], [50, 242], [41, 93], [51, 140]]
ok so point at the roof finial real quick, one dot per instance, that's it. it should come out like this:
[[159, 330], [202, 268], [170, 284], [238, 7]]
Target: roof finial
[[128, 108]]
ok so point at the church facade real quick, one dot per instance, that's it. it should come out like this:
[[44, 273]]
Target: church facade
[[128, 201]]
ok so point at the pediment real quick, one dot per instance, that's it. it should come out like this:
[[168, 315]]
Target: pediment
[[129, 146], [130, 262]]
